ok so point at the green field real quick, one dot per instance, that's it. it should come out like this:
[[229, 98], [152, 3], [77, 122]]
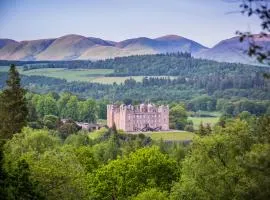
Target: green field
[[166, 136], [205, 120], [171, 136], [69, 74], [86, 75]]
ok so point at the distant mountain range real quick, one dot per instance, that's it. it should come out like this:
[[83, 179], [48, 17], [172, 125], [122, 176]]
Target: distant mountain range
[[232, 50], [77, 47]]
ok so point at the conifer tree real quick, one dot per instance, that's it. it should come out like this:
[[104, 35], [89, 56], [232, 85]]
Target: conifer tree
[[13, 106]]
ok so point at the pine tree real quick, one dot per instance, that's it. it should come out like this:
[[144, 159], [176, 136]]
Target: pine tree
[[13, 106]]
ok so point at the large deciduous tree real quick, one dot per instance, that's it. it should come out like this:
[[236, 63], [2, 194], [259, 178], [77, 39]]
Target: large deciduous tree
[[231, 163], [123, 178], [178, 117]]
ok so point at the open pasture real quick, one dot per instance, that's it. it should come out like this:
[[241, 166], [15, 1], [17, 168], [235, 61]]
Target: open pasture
[[171, 136], [85, 75]]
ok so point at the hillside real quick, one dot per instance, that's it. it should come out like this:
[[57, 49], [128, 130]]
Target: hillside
[[163, 77], [72, 47], [231, 50]]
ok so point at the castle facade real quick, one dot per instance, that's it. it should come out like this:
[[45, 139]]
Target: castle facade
[[144, 117]]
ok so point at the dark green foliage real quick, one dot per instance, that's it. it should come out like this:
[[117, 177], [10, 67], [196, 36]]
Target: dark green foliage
[[51, 121], [193, 78], [230, 163], [13, 106], [152, 194], [78, 140], [20, 186], [122, 178], [204, 130], [178, 117], [189, 128], [3, 175], [67, 128]]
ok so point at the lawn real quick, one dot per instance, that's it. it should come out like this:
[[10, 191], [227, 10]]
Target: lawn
[[171, 136], [69, 74], [210, 118], [205, 120]]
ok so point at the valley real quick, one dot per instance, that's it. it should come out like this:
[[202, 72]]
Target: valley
[[135, 100]]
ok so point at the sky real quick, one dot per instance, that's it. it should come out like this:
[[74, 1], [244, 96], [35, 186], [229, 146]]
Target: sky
[[204, 21]]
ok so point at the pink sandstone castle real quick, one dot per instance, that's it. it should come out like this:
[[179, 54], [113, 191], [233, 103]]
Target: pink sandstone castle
[[143, 117]]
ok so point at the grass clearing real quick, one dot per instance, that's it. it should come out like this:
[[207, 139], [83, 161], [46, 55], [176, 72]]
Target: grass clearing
[[209, 118], [171, 136], [205, 120], [69, 74], [85, 75]]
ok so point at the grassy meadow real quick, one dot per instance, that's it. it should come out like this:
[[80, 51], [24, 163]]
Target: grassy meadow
[[170, 136], [212, 119], [85, 75], [166, 136]]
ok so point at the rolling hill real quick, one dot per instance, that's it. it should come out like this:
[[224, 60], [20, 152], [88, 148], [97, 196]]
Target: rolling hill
[[72, 47], [231, 50], [77, 47]]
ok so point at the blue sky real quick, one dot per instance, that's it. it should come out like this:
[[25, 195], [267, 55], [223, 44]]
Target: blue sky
[[205, 21]]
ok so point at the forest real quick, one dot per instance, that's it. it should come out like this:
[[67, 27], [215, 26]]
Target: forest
[[52, 160], [191, 78]]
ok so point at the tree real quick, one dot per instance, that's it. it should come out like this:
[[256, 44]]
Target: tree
[[13, 106], [20, 186], [61, 104], [71, 108], [152, 194], [178, 117], [3, 175], [46, 105], [56, 168], [102, 109], [87, 111], [202, 130], [231, 163], [68, 128], [131, 175], [51, 121]]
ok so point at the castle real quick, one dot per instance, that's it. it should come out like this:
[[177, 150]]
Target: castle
[[144, 117]]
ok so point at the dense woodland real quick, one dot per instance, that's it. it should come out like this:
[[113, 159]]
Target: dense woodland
[[192, 78], [59, 161]]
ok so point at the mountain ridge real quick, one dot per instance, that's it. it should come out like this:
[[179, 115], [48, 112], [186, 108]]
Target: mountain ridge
[[78, 47], [73, 46]]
